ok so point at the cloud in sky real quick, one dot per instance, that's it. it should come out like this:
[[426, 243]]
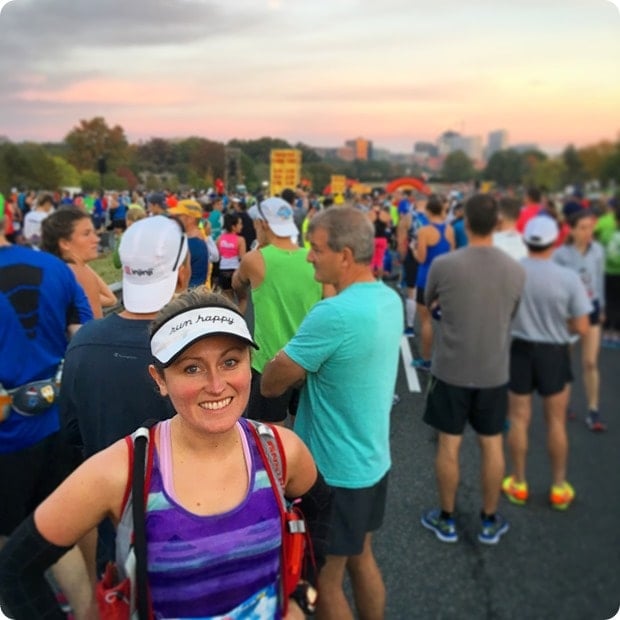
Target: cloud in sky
[[394, 71]]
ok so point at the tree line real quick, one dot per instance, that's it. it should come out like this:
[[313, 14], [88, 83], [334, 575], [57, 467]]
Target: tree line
[[510, 168], [196, 162]]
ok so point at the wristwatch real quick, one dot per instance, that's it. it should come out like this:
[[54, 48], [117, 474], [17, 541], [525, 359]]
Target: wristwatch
[[306, 596]]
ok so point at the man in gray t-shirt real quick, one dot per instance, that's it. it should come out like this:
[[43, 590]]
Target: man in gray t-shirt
[[478, 288], [554, 305]]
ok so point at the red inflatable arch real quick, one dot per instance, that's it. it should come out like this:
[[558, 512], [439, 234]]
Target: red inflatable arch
[[407, 183]]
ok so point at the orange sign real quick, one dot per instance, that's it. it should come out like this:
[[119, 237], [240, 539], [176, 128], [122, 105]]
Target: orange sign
[[285, 170], [361, 188]]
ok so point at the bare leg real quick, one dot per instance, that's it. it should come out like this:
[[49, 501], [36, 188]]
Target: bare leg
[[447, 469], [72, 576], [410, 307], [88, 547], [590, 347], [426, 327], [519, 415], [367, 583], [557, 439], [333, 604], [491, 470]]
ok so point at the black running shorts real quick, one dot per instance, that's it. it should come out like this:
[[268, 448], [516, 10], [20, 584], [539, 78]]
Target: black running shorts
[[30, 475], [539, 366], [450, 407], [595, 315], [354, 513], [410, 267], [224, 279]]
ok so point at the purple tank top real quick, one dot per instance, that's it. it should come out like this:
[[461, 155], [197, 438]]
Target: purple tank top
[[207, 566]]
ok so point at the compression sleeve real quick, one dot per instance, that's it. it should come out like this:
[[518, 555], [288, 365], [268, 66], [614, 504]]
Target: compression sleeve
[[316, 507], [24, 592]]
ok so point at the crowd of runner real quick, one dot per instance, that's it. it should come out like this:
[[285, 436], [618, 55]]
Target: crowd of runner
[[502, 286]]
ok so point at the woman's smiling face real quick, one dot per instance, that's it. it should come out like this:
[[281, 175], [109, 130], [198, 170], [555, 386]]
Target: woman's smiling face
[[209, 383]]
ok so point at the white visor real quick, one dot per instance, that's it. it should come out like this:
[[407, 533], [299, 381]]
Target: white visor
[[182, 330]]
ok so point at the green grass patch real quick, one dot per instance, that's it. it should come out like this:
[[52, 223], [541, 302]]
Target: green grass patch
[[106, 269]]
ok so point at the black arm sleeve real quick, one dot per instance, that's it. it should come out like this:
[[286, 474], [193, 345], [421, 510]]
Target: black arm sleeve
[[316, 507], [24, 591]]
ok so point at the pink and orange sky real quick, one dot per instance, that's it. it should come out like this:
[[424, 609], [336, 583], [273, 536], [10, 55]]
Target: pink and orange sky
[[320, 71]]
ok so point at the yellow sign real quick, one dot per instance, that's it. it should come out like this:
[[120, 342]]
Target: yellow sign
[[338, 184], [361, 188], [486, 187], [285, 170]]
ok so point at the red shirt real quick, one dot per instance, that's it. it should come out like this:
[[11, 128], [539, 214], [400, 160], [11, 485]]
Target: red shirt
[[527, 213]]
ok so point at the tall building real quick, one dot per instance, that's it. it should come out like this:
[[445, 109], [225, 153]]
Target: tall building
[[448, 142], [472, 147], [451, 141], [362, 148], [498, 141], [425, 149]]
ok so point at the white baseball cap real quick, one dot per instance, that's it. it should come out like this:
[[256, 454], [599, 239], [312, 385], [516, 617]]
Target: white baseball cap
[[151, 252], [279, 217], [540, 231]]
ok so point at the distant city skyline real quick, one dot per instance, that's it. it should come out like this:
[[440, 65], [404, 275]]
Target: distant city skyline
[[396, 72]]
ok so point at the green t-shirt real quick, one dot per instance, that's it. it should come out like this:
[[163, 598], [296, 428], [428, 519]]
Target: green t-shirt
[[89, 204], [282, 300], [608, 233]]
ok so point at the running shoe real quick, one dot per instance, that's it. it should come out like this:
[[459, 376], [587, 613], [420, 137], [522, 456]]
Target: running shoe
[[492, 531], [421, 364], [516, 492], [445, 529], [409, 332], [610, 342], [595, 422], [561, 496]]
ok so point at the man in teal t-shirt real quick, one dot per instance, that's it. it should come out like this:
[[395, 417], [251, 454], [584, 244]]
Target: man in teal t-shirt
[[346, 350]]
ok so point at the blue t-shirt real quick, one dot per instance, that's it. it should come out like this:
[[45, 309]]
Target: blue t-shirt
[[45, 298], [13, 371], [405, 207], [121, 211], [349, 347], [98, 207], [460, 236], [199, 257]]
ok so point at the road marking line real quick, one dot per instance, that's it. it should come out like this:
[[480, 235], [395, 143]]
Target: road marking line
[[410, 371]]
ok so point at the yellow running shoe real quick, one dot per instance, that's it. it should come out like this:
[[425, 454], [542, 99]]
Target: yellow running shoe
[[515, 491], [561, 496]]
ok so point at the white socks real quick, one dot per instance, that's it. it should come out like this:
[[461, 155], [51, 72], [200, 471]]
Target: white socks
[[410, 311]]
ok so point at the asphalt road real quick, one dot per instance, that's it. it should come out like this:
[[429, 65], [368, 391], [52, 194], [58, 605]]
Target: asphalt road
[[549, 565]]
